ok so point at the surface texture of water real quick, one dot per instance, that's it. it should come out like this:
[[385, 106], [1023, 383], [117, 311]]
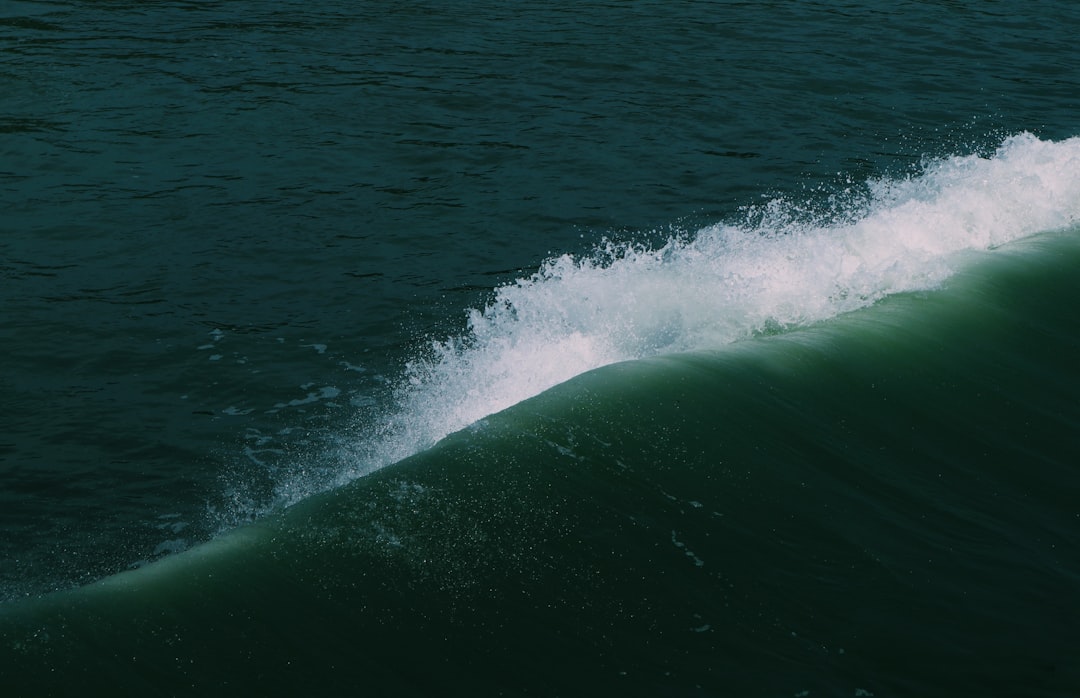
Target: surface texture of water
[[229, 232]]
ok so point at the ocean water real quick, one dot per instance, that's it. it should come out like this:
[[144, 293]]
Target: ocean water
[[477, 348]]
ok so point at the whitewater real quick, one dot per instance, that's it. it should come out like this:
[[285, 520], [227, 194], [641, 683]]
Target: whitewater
[[781, 265]]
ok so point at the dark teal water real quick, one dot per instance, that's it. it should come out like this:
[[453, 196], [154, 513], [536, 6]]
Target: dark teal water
[[797, 275]]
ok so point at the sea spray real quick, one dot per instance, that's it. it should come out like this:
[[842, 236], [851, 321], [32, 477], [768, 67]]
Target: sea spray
[[779, 266]]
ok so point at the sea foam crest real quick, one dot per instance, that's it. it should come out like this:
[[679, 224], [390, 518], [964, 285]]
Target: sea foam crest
[[778, 269]]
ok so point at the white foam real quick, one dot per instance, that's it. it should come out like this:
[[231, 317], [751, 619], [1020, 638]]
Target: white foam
[[781, 267]]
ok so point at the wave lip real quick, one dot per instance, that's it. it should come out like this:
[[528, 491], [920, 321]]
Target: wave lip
[[785, 265]]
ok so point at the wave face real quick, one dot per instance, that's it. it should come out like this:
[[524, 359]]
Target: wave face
[[786, 265], [877, 504]]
